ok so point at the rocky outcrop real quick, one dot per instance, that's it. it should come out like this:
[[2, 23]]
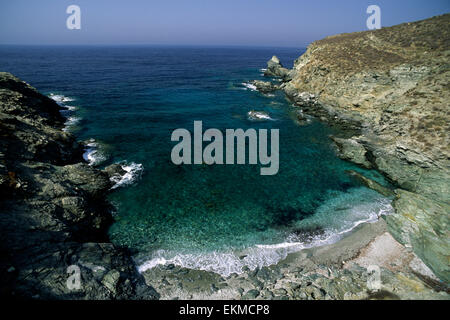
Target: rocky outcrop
[[369, 183], [391, 85], [276, 69], [264, 86], [351, 149], [258, 115], [423, 225], [53, 212]]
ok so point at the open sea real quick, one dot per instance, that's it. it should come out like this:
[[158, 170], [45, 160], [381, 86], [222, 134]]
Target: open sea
[[126, 101]]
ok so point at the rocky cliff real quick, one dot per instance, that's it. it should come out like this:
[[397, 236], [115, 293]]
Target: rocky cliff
[[53, 212], [391, 87]]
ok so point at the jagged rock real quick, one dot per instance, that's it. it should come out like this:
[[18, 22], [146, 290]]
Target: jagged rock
[[276, 69], [369, 183], [390, 86], [423, 224], [114, 169], [352, 150], [302, 118], [304, 99], [111, 279], [114, 172], [267, 294], [53, 213], [264, 86], [250, 295], [258, 115], [280, 292]]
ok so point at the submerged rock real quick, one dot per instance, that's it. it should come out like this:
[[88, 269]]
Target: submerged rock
[[258, 115]]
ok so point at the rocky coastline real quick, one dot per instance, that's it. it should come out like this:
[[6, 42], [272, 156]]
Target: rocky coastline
[[387, 89], [53, 208], [391, 85], [388, 92], [339, 271]]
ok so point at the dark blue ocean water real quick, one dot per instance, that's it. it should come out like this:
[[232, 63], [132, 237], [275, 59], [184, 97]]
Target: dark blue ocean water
[[130, 99]]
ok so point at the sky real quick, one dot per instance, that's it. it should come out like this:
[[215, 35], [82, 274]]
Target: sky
[[284, 23]]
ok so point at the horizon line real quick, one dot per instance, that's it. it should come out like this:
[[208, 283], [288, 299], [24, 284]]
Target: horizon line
[[150, 45]]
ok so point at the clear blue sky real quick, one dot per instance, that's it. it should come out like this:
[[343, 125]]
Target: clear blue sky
[[200, 22]]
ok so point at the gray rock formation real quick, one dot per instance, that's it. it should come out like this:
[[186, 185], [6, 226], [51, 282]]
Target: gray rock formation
[[258, 115], [53, 211], [369, 183], [351, 149], [264, 86], [276, 69], [423, 224], [391, 86]]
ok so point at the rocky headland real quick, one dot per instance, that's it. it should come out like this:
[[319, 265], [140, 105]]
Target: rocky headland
[[53, 210], [390, 89], [276, 69], [387, 89]]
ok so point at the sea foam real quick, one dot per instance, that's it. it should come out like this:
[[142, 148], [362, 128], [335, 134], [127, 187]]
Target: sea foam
[[60, 98], [133, 172], [339, 215], [92, 153], [258, 115], [67, 112], [249, 86], [70, 122]]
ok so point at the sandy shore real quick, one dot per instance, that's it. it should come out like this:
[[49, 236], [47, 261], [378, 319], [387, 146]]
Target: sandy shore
[[335, 271]]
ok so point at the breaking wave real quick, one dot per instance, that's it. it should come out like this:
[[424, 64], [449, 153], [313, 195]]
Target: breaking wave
[[249, 86], [92, 153], [133, 172], [336, 217]]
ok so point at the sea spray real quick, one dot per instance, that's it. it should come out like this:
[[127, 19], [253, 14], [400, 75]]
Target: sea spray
[[92, 153], [133, 172], [67, 112], [59, 98]]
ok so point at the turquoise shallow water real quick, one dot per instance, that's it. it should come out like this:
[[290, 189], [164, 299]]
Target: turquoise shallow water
[[220, 218]]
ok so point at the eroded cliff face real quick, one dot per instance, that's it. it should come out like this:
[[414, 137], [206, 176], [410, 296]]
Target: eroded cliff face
[[393, 86], [53, 212]]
